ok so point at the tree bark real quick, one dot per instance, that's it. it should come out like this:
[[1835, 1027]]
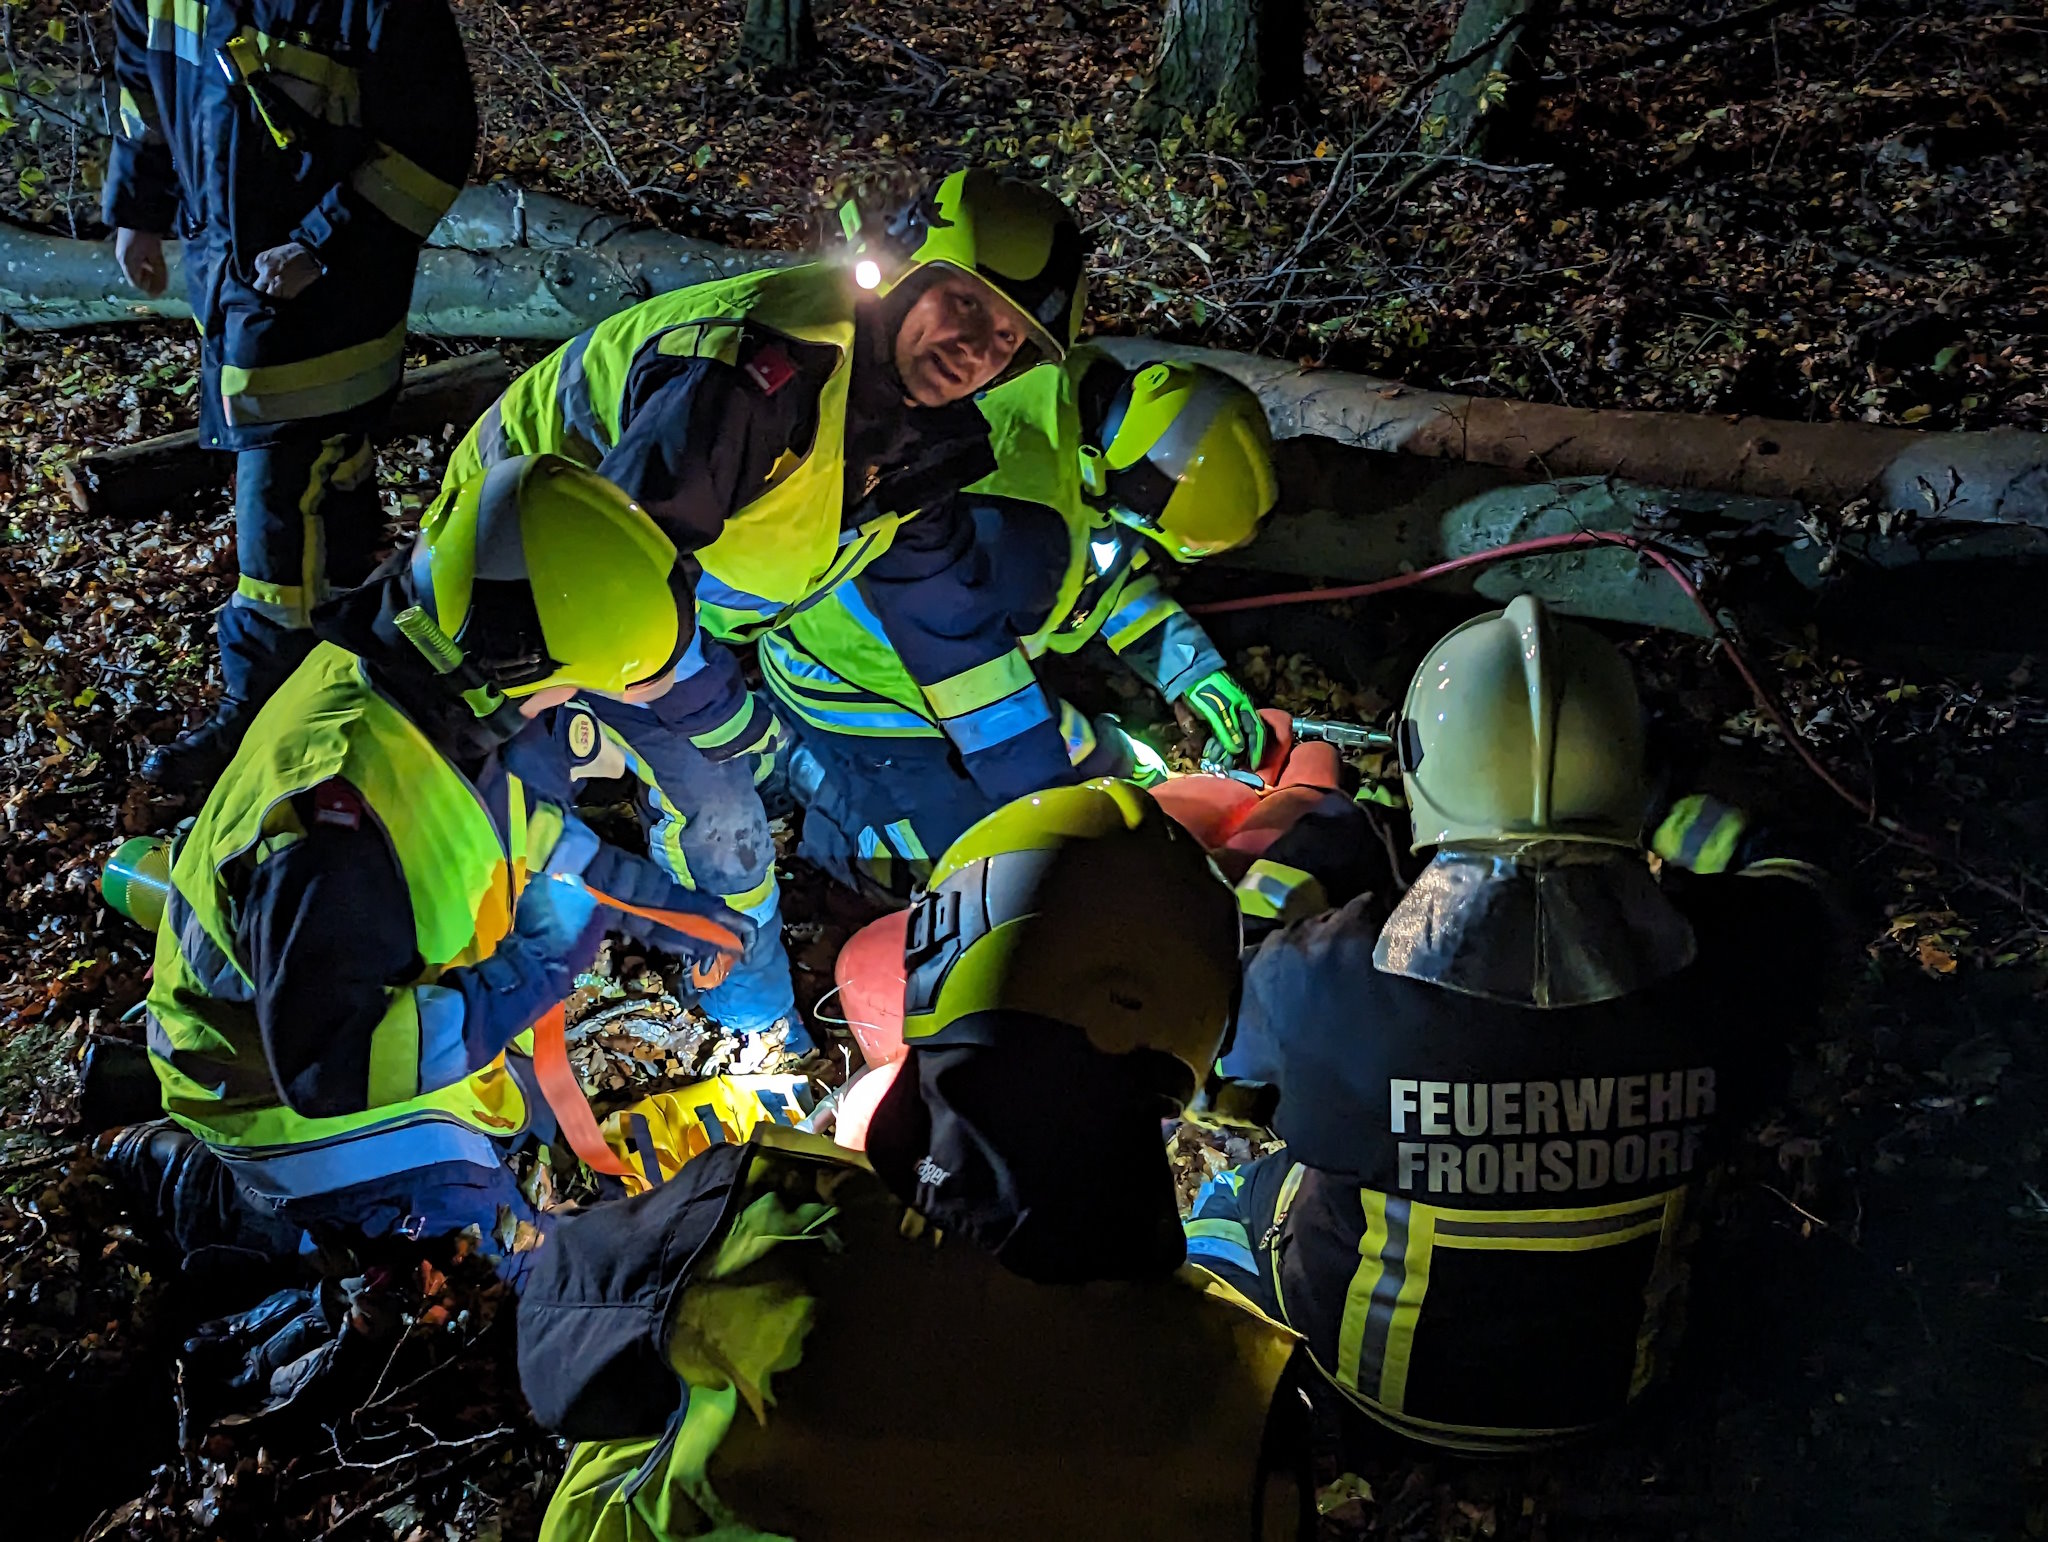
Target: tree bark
[[513, 264], [1238, 57], [778, 35], [143, 478], [503, 263], [1477, 107], [1999, 476], [1348, 515]]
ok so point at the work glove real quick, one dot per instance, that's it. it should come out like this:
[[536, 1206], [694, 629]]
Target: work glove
[[1136, 760], [288, 1342], [1222, 703], [557, 916], [636, 880]]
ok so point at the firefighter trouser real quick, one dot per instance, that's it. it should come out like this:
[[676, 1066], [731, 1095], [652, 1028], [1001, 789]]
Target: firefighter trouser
[[708, 829], [306, 519], [1227, 1229], [878, 810], [202, 1207]]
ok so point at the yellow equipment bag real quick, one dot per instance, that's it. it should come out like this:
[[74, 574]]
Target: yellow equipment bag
[[658, 1134]]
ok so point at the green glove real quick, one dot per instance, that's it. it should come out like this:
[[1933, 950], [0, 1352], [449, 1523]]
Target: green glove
[[1224, 706]]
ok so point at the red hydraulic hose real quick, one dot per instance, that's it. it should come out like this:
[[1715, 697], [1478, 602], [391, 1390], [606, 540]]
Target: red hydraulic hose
[[1578, 539]]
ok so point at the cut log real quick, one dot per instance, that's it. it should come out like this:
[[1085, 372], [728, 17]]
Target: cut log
[[1357, 516], [142, 479], [524, 265], [503, 263], [1994, 477]]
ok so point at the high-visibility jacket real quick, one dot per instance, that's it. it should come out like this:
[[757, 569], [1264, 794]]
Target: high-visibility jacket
[[781, 1301], [1483, 1222], [835, 668], [785, 547], [463, 880], [372, 103]]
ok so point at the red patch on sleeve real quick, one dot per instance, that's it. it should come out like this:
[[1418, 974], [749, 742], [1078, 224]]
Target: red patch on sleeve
[[770, 369], [337, 803]]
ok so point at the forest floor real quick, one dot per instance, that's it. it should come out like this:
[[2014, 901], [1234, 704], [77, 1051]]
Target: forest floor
[[1828, 210]]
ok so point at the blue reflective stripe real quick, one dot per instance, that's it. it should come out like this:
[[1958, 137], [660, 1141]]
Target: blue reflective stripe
[[857, 607], [799, 665], [714, 590], [879, 724], [1142, 606], [988, 726], [444, 1058], [692, 661], [1225, 1241], [309, 1170]]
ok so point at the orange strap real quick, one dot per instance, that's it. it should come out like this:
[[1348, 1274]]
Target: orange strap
[[551, 1066]]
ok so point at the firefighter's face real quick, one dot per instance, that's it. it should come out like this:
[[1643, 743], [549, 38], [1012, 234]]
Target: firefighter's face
[[955, 339]]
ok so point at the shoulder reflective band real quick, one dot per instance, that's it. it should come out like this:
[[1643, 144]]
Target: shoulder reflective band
[[551, 1066]]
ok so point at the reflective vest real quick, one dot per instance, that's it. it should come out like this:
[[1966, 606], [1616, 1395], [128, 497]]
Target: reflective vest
[[823, 1315], [775, 553], [463, 880], [834, 667]]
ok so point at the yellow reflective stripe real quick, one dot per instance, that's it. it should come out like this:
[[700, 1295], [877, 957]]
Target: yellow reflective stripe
[[178, 26], [314, 388], [338, 94], [747, 899], [282, 603], [1700, 833], [1393, 1391], [140, 118], [543, 829], [1564, 1217], [1133, 621], [729, 730], [1561, 1242], [906, 841], [981, 686], [1358, 1296], [395, 1054], [399, 188]]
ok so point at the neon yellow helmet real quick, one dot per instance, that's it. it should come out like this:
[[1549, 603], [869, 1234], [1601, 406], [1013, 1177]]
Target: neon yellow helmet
[[1018, 239], [1521, 728], [1179, 452], [541, 573], [1087, 906]]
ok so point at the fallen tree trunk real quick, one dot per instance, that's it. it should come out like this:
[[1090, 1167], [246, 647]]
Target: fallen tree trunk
[[503, 263], [141, 479], [510, 263], [1994, 477], [1350, 515]]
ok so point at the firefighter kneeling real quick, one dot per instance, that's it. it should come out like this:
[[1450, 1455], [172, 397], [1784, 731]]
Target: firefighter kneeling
[[387, 887], [1502, 1099], [786, 1297]]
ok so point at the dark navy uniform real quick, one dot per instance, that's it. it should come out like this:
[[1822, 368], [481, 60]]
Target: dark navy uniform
[[346, 127], [1482, 1217]]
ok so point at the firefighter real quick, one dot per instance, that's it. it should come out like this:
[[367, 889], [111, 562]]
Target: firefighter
[[996, 1289], [303, 152], [1101, 469], [790, 429], [1502, 1099], [386, 887]]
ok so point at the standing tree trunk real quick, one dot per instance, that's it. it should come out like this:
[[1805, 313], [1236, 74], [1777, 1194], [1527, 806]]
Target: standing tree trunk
[[1239, 57], [778, 35], [1481, 104]]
